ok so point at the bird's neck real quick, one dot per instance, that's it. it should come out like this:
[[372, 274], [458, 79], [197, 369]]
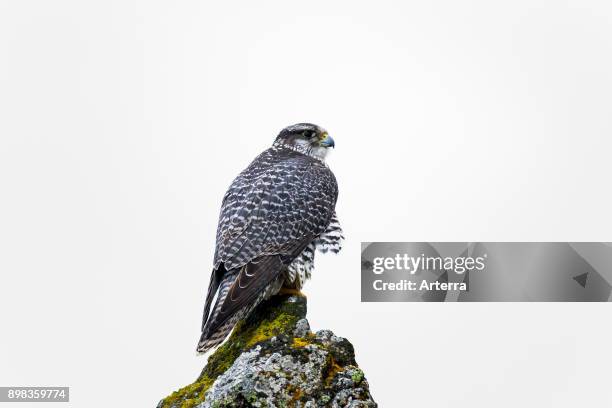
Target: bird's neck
[[316, 152]]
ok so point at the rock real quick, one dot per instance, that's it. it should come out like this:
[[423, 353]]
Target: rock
[[272, 359], [302, 328]]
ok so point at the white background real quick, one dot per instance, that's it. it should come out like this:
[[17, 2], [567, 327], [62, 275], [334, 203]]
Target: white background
[[123, 122]]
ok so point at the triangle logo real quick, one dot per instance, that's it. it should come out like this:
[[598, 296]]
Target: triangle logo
[[581, 279]]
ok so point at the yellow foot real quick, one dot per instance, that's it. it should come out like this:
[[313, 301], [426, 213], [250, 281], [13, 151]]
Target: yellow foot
[[290, 291]]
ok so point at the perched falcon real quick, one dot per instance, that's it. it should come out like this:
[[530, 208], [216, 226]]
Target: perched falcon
[[273, 217]]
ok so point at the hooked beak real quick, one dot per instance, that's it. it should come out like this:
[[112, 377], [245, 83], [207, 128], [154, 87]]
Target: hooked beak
[[326, 140]]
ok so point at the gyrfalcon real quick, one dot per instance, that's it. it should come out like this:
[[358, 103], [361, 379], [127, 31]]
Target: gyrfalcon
[[273, 217]]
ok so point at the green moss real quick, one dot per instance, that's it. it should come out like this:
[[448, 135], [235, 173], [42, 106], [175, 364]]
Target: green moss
[[269, 328], [275, 317], [251, 397], [189, 396], [357, 376]]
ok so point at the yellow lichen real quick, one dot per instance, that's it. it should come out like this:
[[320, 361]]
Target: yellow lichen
[[334, 368], [297, 393], [300, 342]]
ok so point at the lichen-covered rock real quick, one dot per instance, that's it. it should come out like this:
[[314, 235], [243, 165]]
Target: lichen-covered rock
[[272, 359]]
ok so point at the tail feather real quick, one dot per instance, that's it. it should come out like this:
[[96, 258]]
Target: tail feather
[[211, 338], [208, 341], [238, 292], [215, 280]]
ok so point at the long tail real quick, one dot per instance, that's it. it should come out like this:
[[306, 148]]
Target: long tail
[[239, 291], [212, 338], [207, 341]]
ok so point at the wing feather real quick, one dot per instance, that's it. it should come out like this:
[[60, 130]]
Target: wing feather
[[251, 281], [280, 198], [271, 212]]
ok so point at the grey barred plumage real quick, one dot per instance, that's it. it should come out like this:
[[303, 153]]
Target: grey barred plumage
[[273, 217]]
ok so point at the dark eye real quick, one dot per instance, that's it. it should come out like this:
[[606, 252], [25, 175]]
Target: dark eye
[[309, 134]]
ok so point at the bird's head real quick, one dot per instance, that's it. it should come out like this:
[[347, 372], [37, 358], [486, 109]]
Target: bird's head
[[305, 138]]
